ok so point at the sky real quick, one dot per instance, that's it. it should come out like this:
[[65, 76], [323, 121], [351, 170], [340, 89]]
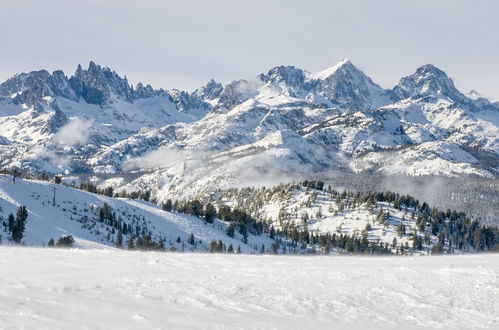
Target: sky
[[182, 44]]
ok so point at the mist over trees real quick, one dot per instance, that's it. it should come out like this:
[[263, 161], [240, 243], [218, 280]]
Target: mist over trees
[[422, 229], [476, 196]]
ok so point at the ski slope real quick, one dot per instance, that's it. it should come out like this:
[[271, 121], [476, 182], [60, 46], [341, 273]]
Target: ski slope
[[76, 213], [115, 289]]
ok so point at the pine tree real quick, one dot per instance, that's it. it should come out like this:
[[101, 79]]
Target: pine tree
[[272, 232], [191, 239], [401, 229], [17, 229], [478, 239], [22, 213], [119, 240], [11, 223], [195, 208], [274, 248], [168, 205], [231, 229], [394, 243], [215, 247], [105, 212], [130, 243], [65, 241], [210, 213]]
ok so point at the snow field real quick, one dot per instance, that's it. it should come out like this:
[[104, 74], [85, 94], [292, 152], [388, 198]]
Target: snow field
[[108, 289]]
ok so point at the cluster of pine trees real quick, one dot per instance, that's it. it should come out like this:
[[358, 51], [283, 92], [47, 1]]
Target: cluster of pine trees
[[452, 230], [65, 241], [221, 247], [238, 219], [136, 234], [192, 207], [296, 241], [15, 226]]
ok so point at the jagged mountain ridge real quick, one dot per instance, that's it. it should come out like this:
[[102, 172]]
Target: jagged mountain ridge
[[426, 126], [283, 124], [40, 112], [98, 94]]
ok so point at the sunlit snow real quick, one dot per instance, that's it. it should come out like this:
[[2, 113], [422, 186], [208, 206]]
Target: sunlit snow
[[110, 289]]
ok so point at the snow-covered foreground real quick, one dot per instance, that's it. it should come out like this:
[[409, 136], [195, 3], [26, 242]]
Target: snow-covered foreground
[[106, 289]]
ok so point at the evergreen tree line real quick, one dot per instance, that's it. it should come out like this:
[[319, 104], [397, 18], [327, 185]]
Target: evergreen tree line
[[221, 247], [238, 219], [65, 241], [296, 241], [454, 230]]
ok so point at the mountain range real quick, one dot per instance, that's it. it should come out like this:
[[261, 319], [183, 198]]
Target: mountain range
[[282, 125]]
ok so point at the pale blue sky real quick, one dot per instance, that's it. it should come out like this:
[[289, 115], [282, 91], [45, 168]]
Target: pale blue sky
[[184, 43]]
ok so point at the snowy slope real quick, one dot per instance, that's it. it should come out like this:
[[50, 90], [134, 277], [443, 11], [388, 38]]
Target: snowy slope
[[76, 213], [286, 206], [58, 289]]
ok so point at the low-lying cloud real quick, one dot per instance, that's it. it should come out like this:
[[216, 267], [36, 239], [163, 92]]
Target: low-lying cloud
[[159, 158], [77, 131]]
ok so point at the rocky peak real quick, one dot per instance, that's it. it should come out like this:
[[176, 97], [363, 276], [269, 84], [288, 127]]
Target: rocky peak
[[326, 73], [289, 75], [30, 88], [23, 82], [346, 85], [210, 91], [428, 80], [99, 85], [236, 92], [186, 102], [474, 95], [142, 92]]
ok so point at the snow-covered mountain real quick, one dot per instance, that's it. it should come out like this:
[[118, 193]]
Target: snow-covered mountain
[[288, 124], [283, 125], [53, 120]]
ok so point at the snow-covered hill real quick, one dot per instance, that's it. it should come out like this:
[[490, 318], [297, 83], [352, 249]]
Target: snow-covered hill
[[309, 213], [291, 218], [61, 289], [77, 213], [282, 125]]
